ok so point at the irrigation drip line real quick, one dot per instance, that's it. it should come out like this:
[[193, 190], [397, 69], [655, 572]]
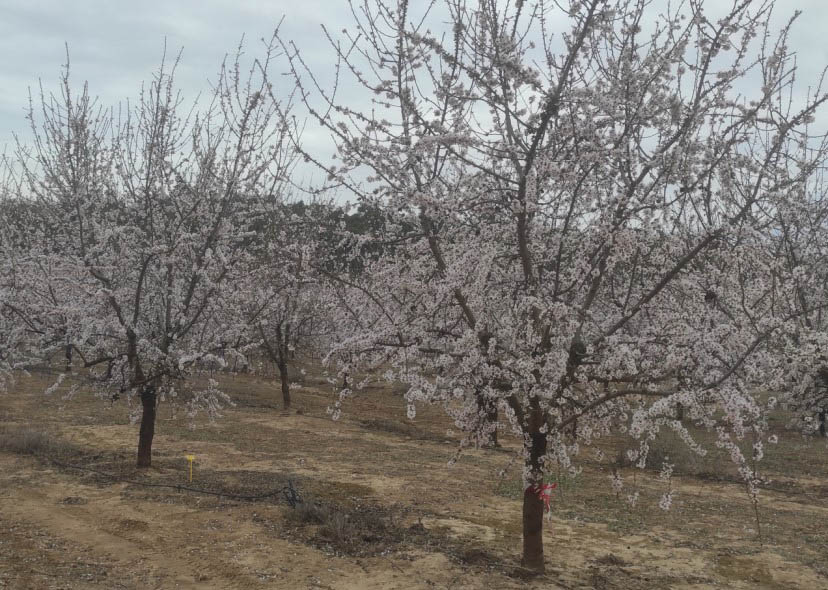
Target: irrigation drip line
[[290, 493]]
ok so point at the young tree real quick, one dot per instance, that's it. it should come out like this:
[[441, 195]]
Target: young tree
[[581, 217], [282, 301], [143, 214]]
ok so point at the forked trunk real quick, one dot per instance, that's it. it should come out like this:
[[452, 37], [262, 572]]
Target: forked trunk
[[533, 503], [285, 379], [147, 430]]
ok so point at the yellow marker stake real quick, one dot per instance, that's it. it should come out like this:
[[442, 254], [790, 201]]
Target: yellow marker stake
[[191, 458]]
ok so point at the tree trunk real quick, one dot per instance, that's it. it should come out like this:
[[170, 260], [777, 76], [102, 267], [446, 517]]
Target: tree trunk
[[487, 414], [532, 503], [492, 418], [285, 379], [147, 430], [532, 530], [822, 416]]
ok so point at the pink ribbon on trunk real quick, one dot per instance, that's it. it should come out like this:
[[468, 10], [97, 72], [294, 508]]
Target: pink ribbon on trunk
[[543, 492]]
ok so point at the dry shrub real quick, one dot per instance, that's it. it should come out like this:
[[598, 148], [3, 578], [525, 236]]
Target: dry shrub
[[310, 513], [29, 441], [24, 441], [360, 530]]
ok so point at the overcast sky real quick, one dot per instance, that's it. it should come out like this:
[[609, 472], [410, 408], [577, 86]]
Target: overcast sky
[[116, 44]]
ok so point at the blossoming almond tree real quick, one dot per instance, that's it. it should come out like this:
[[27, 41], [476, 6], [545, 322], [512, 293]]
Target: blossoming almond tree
[[580, 195], [281, 301], [144, 214]]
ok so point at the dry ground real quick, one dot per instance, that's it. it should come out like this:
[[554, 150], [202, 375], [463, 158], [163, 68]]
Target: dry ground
[[381, 509]]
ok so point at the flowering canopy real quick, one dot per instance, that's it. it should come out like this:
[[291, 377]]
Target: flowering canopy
[[583, 221], [134, 227]]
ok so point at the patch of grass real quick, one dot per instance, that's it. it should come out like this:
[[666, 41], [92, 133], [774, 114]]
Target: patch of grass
[[509, 488], [611, 559], [512, 488], [222, 486], [743, 569], [339, 491], [668, 448], [400, 428], [475, 556]]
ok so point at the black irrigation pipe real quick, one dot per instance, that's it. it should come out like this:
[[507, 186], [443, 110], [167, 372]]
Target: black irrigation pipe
[[290, 494]]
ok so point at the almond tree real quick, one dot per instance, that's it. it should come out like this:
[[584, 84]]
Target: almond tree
[[281, 301], [144, 214], [580, 195]]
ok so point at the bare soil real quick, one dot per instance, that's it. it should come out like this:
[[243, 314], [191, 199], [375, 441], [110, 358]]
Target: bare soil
[[382, 508]]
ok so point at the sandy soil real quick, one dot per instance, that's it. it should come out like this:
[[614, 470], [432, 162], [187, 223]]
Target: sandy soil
[[388, 512]]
